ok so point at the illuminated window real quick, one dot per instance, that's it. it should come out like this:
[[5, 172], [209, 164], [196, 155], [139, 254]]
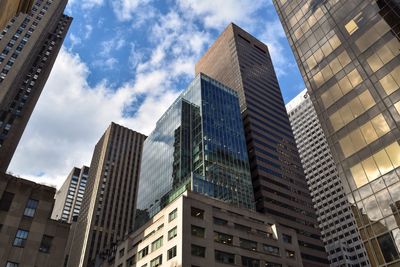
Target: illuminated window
[[391, 82], [385, 54], [364, 135], [378, 164], [351, 27], [397, 106], [372, 35]]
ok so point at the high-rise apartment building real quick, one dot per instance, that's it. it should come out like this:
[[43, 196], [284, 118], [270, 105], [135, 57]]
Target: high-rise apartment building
[[243, 63], [29, 45], [107, 211], [198, 144], [11, 8], [335, 217], [68, 200], [28, 237], [348, 54]]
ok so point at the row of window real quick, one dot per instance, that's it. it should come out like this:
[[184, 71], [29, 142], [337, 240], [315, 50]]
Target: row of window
[[6, 201]]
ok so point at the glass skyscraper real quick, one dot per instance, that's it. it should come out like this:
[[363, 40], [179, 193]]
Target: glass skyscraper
[[348, 54], [198, 144]]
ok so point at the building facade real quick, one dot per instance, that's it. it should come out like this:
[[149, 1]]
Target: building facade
[[107, 211], [11, 8], [29, 45], [28, 237], [243, 63], [198, 144], [348, 54], [196, 230], [68, 199], [335, 217]]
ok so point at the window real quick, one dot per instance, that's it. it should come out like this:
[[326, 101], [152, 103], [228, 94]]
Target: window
[[156, 262], [11, 264], [290, 254], [142, 253], [271, 249], [223, 238], [224, 257], [272, 264], [198, 213], [287, 238], [242, 227], [131, 261], [156, 244], [45, 245], [121, 252], [172, 215], [20, 238], [351, 27], [248, 244], [198, 231], [6, 200], [172, 233], [388, 247], [391, 82], [171, 253], [198, 251], [219, 221], [249, 262], [31, 208]]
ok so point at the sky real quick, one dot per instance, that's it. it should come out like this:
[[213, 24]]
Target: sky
[[126, 61]]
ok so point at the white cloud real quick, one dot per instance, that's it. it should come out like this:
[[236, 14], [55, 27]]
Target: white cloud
[[89, 30], [125, 9]]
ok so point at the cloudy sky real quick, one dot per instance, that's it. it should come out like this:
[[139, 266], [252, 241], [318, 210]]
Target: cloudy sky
[[126, 61]]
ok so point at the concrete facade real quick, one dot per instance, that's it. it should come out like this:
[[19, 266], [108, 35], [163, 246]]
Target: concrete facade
[[335, 218], [29, 45], [228, 235], [107, 211], [28, 237], [10, 8], [68, 199]]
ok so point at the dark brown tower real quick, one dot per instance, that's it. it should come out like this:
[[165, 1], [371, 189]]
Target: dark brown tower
[[108, 204], [29, 45], [243, 63]]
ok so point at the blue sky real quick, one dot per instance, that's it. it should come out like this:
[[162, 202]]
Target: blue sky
[[126, 61]]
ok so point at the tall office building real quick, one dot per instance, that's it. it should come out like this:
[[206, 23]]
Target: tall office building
[[68, 200], [198, 144], [348, 54], [335, 218], [243, 63], [29, 45], [11, 8], [107, 211]]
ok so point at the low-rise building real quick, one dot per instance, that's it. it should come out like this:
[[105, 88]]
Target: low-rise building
[[196, 230], [28, 237]]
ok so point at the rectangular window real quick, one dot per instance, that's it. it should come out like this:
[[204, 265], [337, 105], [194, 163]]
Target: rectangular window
[[272, 264], [30, 208], [197, 231], [223, 238], [20, 238], [172, 233], [287, 238], [143, 253], [157, 244], [6, 200], [45, 245], [131, 261], [290, 254], [198, 251], [171, 253], [391, 82], [250, 262], [242, 227], [271, 249], [172, 215], [372, 35], [219, 221], [156, 262], [224, 257], [197, 213], [248, 244], [11, 264]]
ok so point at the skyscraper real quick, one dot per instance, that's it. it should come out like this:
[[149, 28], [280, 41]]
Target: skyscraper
[[29, 45], [69, 197], [348, 54], [335, 218], [243, 63], [11, 8], [107, 211], [198, 144]]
